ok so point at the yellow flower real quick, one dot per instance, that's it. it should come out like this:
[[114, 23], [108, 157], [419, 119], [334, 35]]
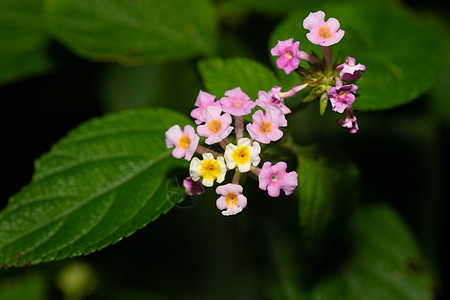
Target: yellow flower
[[243, 155], [209, 169]]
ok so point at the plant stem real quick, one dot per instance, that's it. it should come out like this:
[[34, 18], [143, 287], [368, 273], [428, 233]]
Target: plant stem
[[328, 59]]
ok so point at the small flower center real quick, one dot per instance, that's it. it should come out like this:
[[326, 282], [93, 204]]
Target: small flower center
[[274, 177], [230, 199], [265, 127], [210, 169], [215, 126], [342, 96], [184, 142], [237, 102], [324, 32], [241, 155], [289, 55]]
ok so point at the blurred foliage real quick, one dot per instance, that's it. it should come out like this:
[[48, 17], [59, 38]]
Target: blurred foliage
[[77, 280], [134, 32], [329, 182], [380, 261], [167, 86], [24, 41], [28, 287]]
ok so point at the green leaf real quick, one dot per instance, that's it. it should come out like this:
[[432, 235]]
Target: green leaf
[[328, 186], [101, 183], [221, 75], [403, 53], [23, 40], [323, 103], [134, 32], [385, 263]]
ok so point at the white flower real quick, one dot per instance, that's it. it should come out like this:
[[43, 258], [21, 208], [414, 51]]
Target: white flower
[[243, 155], [209, 169]]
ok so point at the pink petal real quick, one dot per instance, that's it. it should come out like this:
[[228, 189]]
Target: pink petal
[[273, 190], [334, 39], [279, 168], [333, 24], [237, 93], [314, 20], [221, 204], [173, 135], [178, 152]]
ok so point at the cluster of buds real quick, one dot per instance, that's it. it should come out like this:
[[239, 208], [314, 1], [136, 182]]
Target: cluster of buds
[[332, 83], [239, 151]]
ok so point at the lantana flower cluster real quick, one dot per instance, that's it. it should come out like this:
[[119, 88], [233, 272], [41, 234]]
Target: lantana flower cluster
[[221, 122], [330, 82], [240, 151]]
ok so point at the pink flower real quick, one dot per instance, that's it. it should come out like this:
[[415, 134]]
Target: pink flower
[[216, 127], [231, 199], [237, 103], [274, 178], [265, 128], [272, 99], [320, 32], [349, 123], [185, 142], [341, 96], [350, 71], [289, 55], [193, 187], [204, 100]]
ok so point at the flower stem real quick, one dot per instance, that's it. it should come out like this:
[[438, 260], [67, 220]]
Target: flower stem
[[309, 57], [255, 170], [224, 143], [236, 177], [326, 50], [239, 127], [202, 149]]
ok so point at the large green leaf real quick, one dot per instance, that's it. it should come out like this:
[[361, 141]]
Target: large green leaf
[[101, 183], [23, 39], [403, 53], [328, 186], [221, 75], [134, 32], [385, 263]]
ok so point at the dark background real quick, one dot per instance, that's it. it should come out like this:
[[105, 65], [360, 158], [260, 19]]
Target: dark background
[[409, 171]]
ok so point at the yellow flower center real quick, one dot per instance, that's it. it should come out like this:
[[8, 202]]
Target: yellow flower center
[[230, 199], [215, 126], [237, 103], [324, 32], [289, 55], [241, 155], [184, 142], [210, 169], [265, 127]]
